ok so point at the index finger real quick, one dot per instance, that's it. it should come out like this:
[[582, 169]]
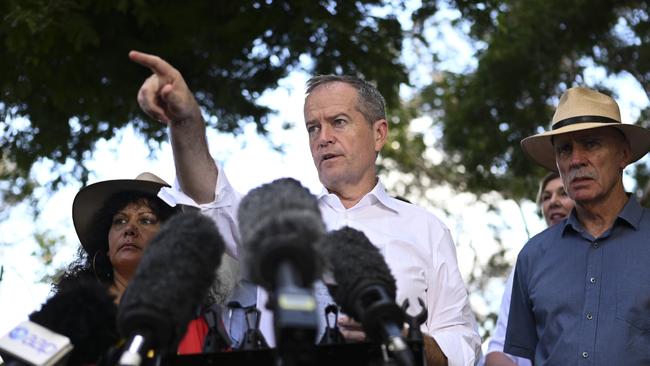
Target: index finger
[[156, 64]]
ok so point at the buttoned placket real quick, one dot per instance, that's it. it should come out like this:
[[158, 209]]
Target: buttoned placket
[[592, 287]]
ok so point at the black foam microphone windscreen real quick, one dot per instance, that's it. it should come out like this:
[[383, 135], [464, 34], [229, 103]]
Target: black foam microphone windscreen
[[84, 311], [355, 263], [280, 221], [365, 288], [173, 277]]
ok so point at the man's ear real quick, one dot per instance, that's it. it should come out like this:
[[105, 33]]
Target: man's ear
[[380, 132], [626, 154]]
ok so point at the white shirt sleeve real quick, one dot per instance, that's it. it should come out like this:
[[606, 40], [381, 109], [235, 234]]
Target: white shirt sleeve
[[223, 209], [499, 335], [450, 320]]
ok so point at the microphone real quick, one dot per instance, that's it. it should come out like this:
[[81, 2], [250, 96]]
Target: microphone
[[280, 222], [80, 315], [174, 275], [365, 288]]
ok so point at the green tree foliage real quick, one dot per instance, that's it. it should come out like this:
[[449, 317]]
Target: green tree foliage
[[47, 244], [528, 53], [14, 188], [65, 67]]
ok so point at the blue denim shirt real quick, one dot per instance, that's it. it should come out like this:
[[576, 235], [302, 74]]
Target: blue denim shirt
[[580, 300]]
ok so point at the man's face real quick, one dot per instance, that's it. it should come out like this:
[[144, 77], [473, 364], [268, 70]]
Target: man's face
[[343, 144], [590, 162]]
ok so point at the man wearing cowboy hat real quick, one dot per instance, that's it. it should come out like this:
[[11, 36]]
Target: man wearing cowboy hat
[[581, 290]]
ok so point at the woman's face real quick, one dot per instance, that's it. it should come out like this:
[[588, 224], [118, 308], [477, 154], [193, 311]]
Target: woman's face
[[556, 204], [132, 228]]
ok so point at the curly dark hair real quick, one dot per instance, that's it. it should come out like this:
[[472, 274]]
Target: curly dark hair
[[97, 264]]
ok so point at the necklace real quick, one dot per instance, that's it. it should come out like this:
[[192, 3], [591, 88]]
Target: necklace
[[116, 281]]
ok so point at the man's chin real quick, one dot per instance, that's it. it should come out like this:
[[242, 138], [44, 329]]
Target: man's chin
[[332, 185], [557, 220], [329, 177], [585, 197]]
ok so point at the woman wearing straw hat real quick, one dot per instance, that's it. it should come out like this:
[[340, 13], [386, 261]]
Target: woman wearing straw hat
[[115, 220], [581, 290]]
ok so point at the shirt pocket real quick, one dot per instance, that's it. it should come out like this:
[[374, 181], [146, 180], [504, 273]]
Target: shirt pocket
[[633, 301]]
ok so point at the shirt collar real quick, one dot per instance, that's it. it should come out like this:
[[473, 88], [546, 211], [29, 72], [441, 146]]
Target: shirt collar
[[571, 222], [377, 194], [631, 214]]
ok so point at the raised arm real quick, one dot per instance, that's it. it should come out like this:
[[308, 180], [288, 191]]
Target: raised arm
[[165, 97]]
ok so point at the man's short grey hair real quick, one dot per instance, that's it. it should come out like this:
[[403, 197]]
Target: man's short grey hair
[[370, 101]]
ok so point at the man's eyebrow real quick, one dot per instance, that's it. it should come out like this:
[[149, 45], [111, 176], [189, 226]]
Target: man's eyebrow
[[329, 117], [341, 114]]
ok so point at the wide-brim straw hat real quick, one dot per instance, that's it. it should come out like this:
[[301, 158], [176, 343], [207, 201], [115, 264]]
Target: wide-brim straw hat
[[90, 199], [582, 109]]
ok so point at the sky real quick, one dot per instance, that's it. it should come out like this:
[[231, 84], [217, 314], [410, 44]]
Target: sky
[[249, 161]]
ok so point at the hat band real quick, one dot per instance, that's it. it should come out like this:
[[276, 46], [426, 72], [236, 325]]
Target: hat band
[[583, 119]]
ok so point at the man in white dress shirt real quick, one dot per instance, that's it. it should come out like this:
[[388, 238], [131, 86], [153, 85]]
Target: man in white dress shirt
[[347, 127]]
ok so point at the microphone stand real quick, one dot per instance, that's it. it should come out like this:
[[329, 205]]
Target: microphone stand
[[294, 317], [382, 319], [135, 350]]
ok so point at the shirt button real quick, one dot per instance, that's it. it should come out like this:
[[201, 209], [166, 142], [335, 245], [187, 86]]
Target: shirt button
[[585, 354], [596, 245], [592, 280], [589, 316]]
